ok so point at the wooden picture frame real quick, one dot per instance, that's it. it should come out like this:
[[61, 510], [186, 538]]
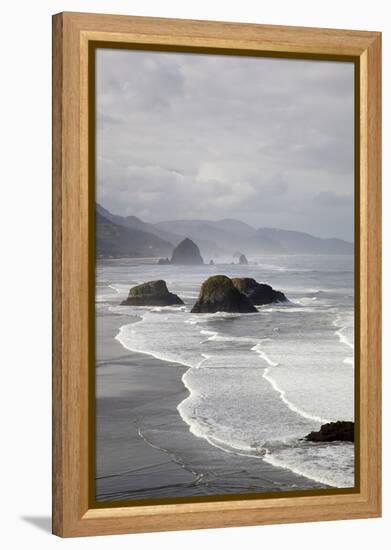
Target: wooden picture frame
[[73, 252]]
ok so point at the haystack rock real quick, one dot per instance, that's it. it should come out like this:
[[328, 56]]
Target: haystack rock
[[333, 431], [243, 260], [259, 294], [219, 294], [152, 293], [187, 253]]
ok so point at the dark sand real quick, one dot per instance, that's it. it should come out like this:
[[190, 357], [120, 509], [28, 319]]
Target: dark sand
[[143, 447]]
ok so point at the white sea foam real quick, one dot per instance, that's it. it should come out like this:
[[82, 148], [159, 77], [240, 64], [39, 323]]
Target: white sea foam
[[123, 338], [197, 319], [343, 339], [185, 295], [329, 464], [307, 300], [215, 395], [168, 308], [105, 293], [344, 325], [281, 392], [257, 383], [217, 337], [118, 288]]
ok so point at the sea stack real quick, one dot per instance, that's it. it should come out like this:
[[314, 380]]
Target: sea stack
[[219, 294], [152, 293], [259, 294], [243, 260], [187, 253], [333, 431]]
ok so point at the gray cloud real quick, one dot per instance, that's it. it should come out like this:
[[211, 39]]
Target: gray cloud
[[267, 141]]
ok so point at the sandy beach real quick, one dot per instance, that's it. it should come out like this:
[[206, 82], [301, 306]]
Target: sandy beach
[[143, 447]]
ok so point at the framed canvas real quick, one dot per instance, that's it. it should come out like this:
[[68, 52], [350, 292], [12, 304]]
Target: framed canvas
[[216, 274]]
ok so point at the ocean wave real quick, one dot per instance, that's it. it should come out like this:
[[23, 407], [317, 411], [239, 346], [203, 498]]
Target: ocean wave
[[292, 309], [342, 326], [208, 317], [103, 298], [342, 337], [115, 291], [284, 269], [331, 464], [142, 310], [307, 300], [121, 288], [127, 310], [102, 294], [185, 295], [167, 308], [118, 288], [125, 341], [280, 391], [174, 335], [217, 337]]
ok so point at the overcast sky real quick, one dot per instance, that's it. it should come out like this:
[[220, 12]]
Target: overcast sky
[[265, 141]]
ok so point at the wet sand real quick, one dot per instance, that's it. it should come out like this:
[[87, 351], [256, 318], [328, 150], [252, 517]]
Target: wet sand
[[143, 447]]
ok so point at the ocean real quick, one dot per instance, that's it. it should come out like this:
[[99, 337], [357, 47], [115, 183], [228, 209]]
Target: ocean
[[257, 383]]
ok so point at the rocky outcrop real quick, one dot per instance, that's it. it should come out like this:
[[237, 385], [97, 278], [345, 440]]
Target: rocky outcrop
[[187, 253], [218, 293], [152, 293], [259, 294], [333, 431], [243, 260], [164, 261]]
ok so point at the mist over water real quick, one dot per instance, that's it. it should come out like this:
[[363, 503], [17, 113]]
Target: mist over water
[[258, 383]]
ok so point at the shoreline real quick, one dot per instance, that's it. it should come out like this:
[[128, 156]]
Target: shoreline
[[144, 449]]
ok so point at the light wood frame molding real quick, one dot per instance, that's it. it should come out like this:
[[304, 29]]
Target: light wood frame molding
[[72, 33]]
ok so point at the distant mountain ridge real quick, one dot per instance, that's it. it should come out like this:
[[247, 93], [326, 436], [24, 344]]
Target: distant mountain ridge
[[130, 236], [297, 242], [118, 241], [135, 223], [228, 235]]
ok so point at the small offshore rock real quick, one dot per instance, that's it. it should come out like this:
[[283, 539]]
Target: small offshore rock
[[333, 431], [152, 293], [259, 294], [218, 293]]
